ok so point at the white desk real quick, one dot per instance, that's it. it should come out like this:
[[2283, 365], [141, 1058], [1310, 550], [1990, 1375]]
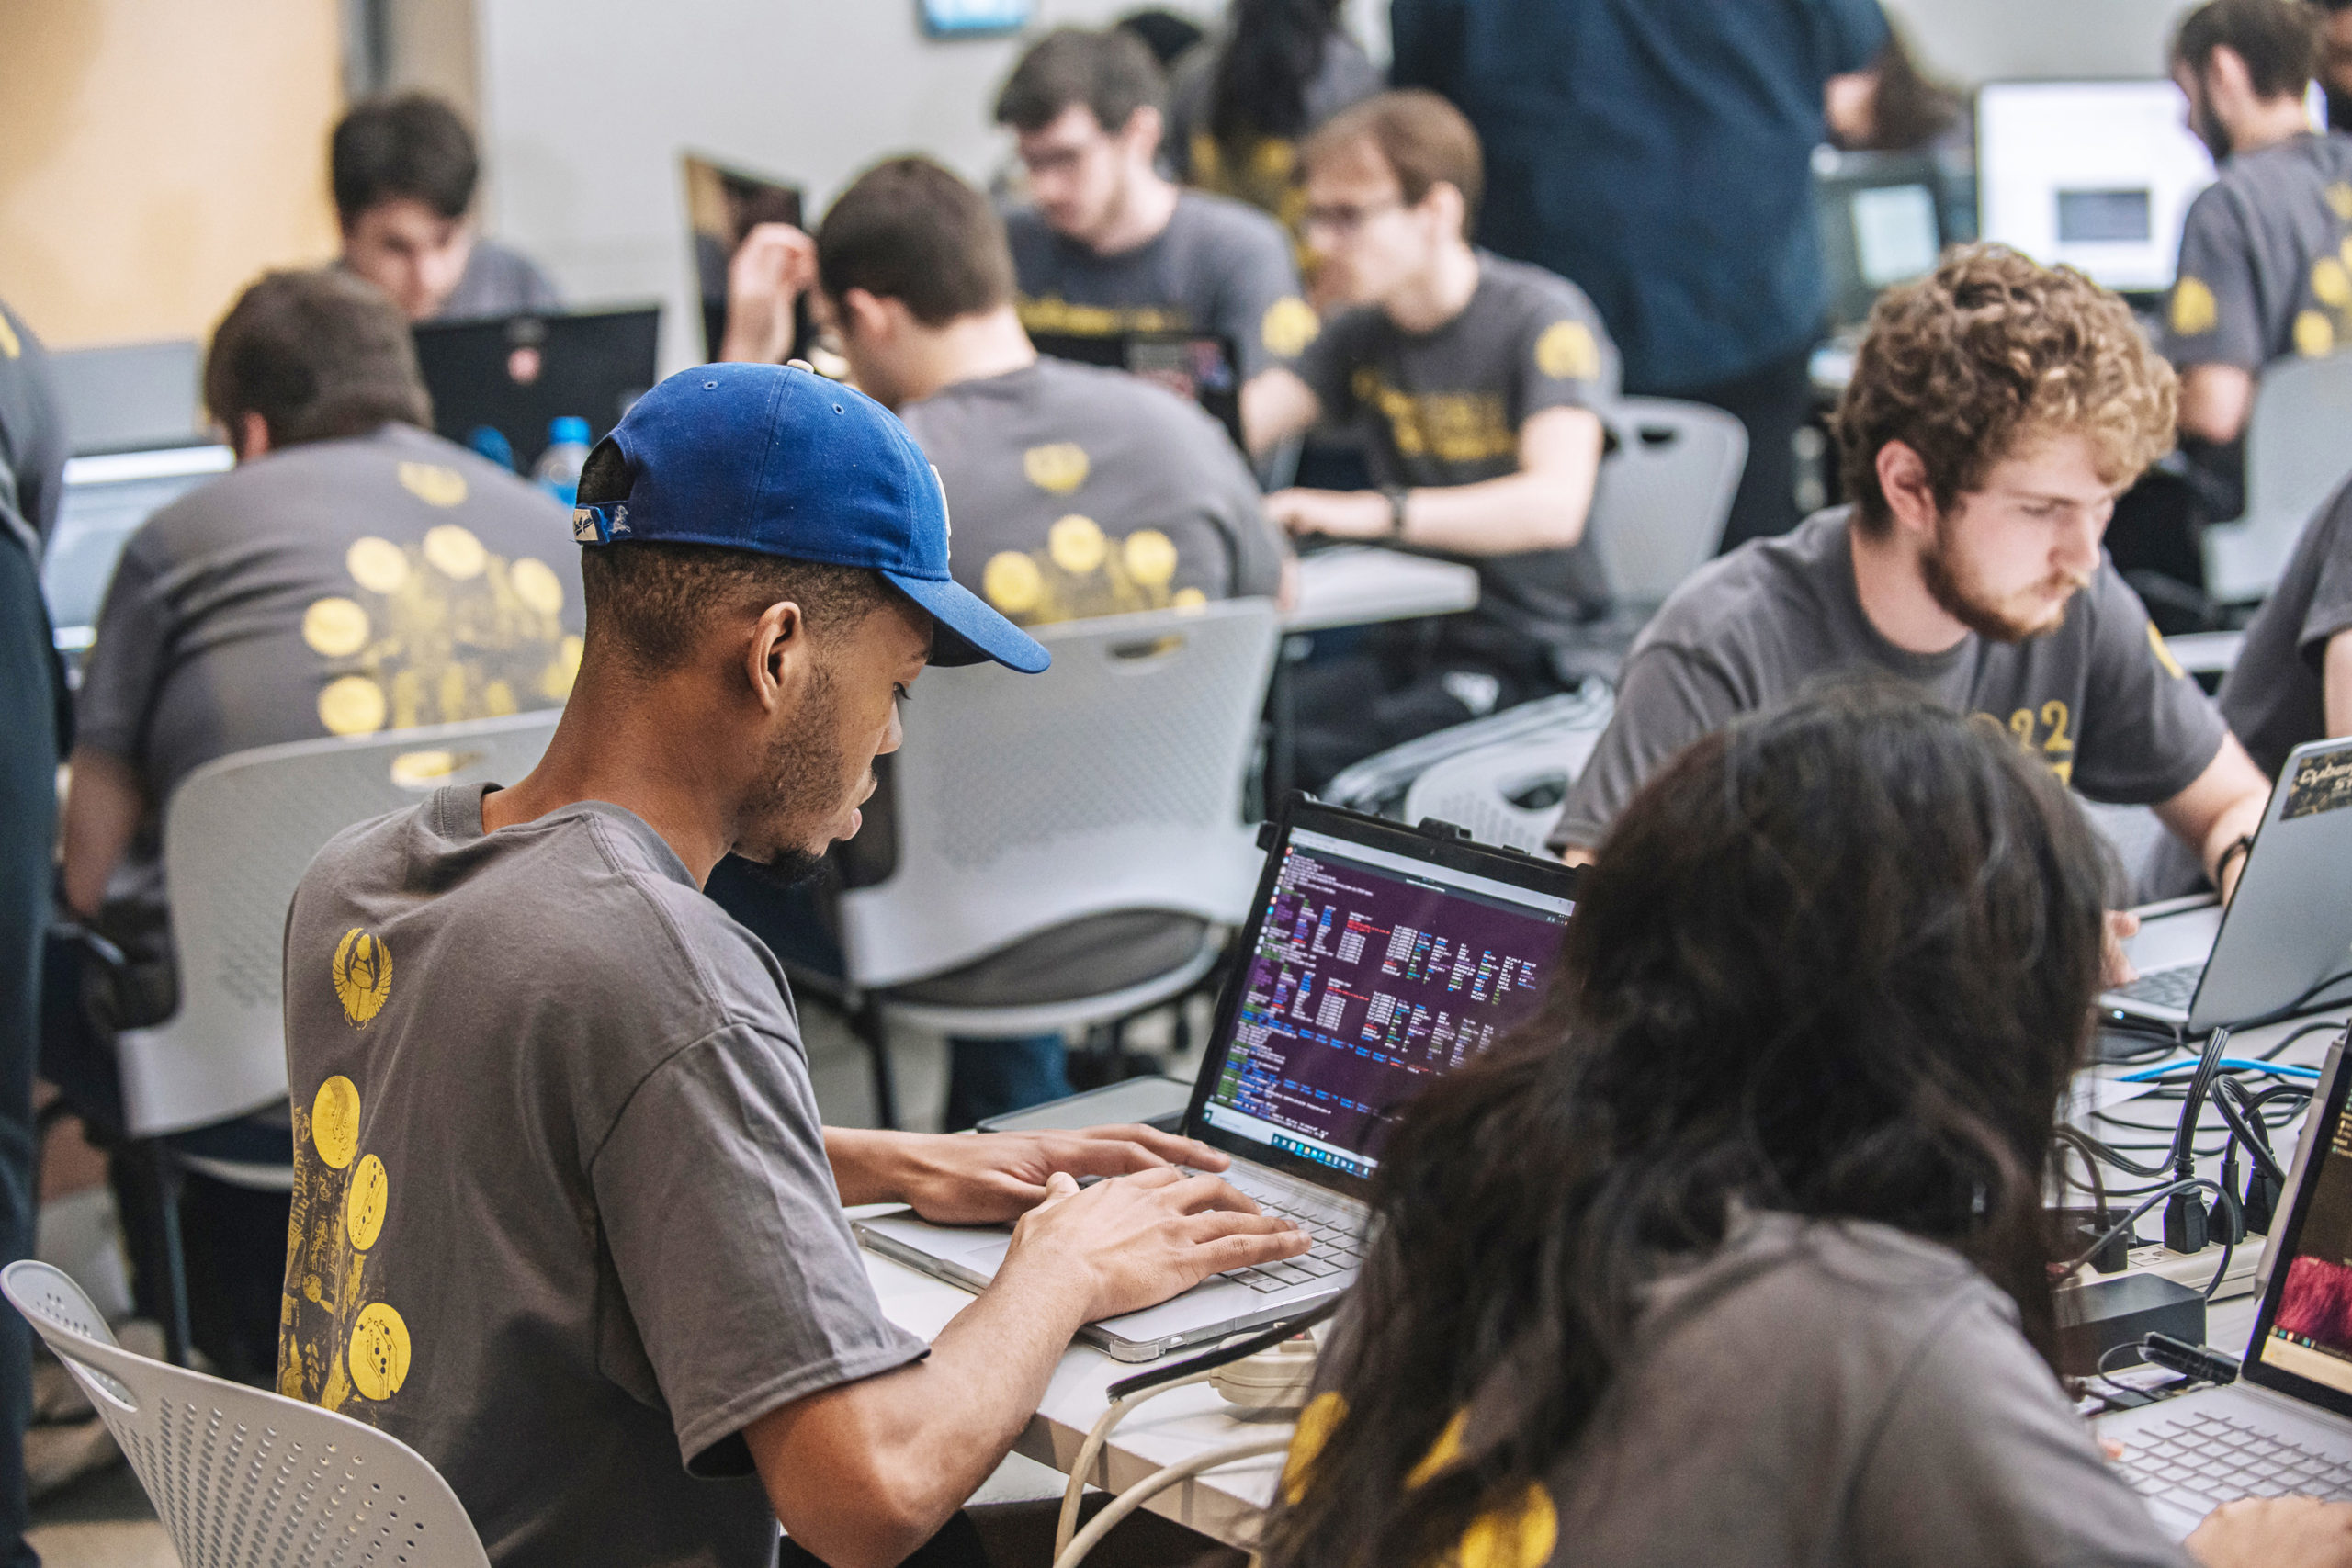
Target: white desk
[[1224, 1503], [1358, 585]]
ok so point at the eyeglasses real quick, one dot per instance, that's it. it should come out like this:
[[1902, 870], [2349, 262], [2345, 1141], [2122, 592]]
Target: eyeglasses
[[1342, 219]]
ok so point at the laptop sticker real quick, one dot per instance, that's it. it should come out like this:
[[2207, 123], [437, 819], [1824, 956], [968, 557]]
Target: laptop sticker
[[2322, 783]]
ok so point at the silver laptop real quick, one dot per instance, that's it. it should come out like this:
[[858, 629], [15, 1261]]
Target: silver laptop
[[2285, 1425], [2287, 929], [1377, 957]]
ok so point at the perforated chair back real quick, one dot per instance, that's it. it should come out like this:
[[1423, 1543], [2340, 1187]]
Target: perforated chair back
[[242, 1478], [2298, 449], [238, 834], [1664, 495], [1111, 781], [1509, 792]]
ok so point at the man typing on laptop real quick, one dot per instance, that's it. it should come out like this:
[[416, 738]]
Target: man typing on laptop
[[1996, 410], [564, 1219]]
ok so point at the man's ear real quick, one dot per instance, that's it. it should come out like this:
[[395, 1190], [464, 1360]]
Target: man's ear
[[250, 436], [1142, 132], [1902, 479], [776, 660], [865, 315], [1445, 207]]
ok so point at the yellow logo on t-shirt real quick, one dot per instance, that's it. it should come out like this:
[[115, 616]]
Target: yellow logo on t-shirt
[[1052, 314], [1567, 351], [2194, 310], [1056, 469], [2314, 335], [362, 975], [1289, 325], [1083, 572], [2163, 654], [9, 346], [433, 484], [2339, 200], [1453, 427]]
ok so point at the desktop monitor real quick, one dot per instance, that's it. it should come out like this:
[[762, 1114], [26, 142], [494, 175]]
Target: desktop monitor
[[2098, 176], [516, 375], [1199, 366], [1881, 225], [722, 206], [103, 501]]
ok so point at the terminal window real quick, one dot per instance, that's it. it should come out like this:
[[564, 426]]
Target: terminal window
[[1366, 983]]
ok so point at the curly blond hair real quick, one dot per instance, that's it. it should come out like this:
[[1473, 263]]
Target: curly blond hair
[[1988, 353]]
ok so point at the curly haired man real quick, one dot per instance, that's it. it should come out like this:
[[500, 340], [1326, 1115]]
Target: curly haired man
[[1996, 410]]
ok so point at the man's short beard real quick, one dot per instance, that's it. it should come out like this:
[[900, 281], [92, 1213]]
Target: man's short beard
[[1957, 600], [802, 770]]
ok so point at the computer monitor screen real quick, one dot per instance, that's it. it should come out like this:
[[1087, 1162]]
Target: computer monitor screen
[[1880, 222], [103, 501], [1199, 366], [516, 375], [2306, 1328], [2094, 174], [1373, 974]]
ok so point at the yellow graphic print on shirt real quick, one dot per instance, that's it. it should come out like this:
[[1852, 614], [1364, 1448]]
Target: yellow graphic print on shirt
[[2046, 732], [1289, 324], [1057, 467], [2195, 312], [1568, 352], [335, 1346], [2325, 324], [1083, 573], [439, 630], [1521, 1531], [363, 975], [10, 348], [1052, 314], [1453, 427], [1262, 172]]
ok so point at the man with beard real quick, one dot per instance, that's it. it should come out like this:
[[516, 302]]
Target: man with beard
[[564, 1219], [1996, 410]]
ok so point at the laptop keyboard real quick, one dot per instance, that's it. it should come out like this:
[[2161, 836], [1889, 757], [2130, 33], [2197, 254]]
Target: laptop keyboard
[[2173, 988], [2215, 1459], [1336, 1226]]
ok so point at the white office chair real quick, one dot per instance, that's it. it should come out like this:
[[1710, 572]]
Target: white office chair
[[2298, 449], [1665, 493], [1507, 792], [245, 1479], [1023, 803], [238, 834]]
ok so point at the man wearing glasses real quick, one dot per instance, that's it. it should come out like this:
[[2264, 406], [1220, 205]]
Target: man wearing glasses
[[1479, 385]]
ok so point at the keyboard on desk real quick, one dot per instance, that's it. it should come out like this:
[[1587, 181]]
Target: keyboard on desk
[[2212, 1459], [1336, 1225], [2173, 988]]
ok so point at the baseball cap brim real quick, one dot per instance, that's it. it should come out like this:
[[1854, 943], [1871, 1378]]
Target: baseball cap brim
[[965, 630]]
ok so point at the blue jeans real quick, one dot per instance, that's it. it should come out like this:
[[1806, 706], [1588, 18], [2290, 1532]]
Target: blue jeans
[[990, 1078]]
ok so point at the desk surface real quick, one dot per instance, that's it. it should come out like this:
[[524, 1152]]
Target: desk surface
[[1358, 585]]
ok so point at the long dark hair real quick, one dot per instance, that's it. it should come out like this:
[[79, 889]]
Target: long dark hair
[[1835, 961], [1263, 65]]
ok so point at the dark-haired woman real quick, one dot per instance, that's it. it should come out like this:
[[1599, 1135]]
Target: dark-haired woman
[[1736, 1258], [1242, 101]]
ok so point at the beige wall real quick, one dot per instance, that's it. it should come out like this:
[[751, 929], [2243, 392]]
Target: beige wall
[[156, 154]]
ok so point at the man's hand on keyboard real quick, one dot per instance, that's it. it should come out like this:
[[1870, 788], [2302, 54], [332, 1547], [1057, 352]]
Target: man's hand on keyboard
[[997, 1177], [2275, 1533], [1134, 1241], [2123, 925]]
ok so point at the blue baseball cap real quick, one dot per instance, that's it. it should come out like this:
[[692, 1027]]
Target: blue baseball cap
[[780, 460]]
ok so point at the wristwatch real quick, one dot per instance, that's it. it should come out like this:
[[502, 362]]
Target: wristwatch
[[2238, 846], [1395, 494]]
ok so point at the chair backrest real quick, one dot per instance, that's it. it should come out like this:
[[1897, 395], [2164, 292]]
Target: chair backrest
[[1111, 781], [1509, 792], [2298, 449], [238, 834], [1664, 495], [242, 1478]]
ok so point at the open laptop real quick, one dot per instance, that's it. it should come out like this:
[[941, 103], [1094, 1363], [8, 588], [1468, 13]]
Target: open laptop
[[1375, 958], [1199, 366], [1881, 216], [105, 500], [2285, 1425], [516, 375], [2287, 929]]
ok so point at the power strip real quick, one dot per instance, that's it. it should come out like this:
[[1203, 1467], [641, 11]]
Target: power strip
[[2196, 1268]]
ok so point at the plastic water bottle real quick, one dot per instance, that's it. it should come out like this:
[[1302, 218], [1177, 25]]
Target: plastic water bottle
[[558, 467]]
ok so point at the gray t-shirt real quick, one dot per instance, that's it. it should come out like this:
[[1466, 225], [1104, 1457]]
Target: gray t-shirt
[[499, 281], [1080, 491], [1445, 408], [32, 438], [2264, 272], [332, 588], [1828, 1393], [1263, 171], [562, 1218], [2275, 696], [1219, 267], [2100, 699]]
